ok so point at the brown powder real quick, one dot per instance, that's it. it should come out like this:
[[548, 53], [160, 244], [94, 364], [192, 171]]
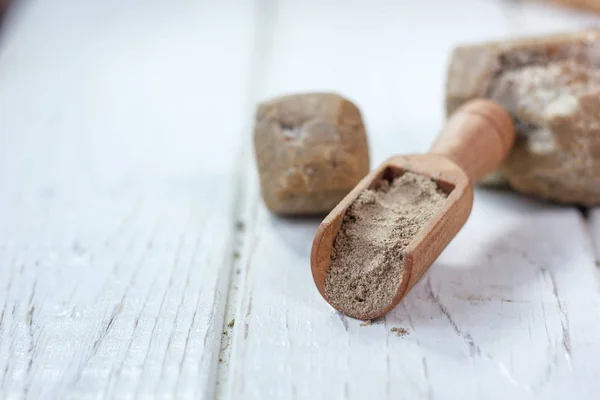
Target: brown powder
[[367, 255], [400, 332]]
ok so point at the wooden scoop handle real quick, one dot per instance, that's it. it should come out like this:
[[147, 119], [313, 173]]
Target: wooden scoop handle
[[477, 137]]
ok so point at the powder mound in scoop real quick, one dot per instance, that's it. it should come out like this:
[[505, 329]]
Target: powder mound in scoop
[[367, 254]]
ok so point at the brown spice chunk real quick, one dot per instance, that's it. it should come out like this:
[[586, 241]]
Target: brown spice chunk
[[551, 86], [367, 254], [311, 150]]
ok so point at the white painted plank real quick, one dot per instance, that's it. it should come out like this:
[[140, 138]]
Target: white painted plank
[[510, 310], [118, 136]]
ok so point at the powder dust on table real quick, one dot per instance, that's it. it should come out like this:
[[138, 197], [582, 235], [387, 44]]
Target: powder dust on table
[[367, 254], [400, 332]]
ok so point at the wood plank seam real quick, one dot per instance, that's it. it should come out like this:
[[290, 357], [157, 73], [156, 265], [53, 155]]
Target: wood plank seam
[[237, 260], [246, 202]]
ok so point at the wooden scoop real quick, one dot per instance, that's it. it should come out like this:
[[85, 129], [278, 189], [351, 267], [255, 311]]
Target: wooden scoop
[[475, 140]]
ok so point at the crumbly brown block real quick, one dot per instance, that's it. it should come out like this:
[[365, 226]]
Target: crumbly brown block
[[311, 150], [551, 86]]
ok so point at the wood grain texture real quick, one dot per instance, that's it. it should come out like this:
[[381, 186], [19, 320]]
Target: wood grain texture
[[510, 308], [117, 149]]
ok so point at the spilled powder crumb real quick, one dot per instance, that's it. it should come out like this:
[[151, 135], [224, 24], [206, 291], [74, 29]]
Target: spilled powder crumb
[[400, 332], [367, 254], [366, 323], [240, 226]]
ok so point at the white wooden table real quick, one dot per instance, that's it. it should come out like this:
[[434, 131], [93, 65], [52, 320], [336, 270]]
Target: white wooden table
[[132, 232]]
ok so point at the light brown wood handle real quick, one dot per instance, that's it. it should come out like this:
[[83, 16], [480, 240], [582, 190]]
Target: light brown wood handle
[[477, 137]]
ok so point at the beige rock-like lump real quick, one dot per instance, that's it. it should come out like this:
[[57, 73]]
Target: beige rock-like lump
[[551, 86], [311, 150]]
